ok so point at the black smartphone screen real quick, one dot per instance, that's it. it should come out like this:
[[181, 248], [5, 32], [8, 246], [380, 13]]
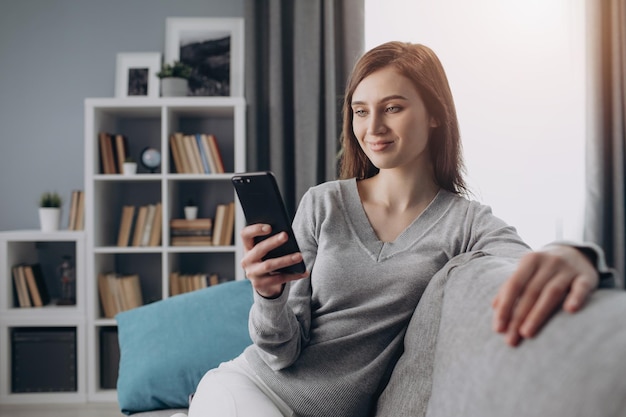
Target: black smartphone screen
[[262, 202]]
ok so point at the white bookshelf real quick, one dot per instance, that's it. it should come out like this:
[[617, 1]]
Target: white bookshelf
[[46, 249], [148, 122]]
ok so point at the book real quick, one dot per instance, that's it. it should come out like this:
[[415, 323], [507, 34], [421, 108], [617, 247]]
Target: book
[[196, 154], [191, 241], [140, 225], [149, 222], [19, 280], [203, 154], [121, 152], [201, 223], [80, 211], [105, 293], [71, 224], [204, 140], [179, 139], [229, 223], [155, 234], [193, 154], [32, 286], [217, 156], [174, 284], [191, 232], [176, 155], [130, 291], [220, 218], [214, 279], [106, 154], [126, 223]]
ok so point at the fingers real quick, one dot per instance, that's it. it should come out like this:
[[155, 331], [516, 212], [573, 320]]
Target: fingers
[[510, 291], [260, 272], [248, 234], [581, 288], [541, 283]]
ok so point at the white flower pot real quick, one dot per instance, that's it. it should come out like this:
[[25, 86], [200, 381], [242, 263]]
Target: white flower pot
[[130, 168], [173, 87], [49, 218], [191, 212]]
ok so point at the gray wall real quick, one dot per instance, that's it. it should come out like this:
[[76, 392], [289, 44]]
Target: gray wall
[[53, 55]]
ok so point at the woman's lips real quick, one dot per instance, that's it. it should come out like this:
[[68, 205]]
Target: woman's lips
[[379, 146]]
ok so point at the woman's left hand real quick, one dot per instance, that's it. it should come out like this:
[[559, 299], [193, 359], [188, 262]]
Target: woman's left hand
[[543, 281]]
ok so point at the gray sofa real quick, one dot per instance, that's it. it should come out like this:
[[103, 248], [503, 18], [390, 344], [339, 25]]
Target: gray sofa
[[455, 365]]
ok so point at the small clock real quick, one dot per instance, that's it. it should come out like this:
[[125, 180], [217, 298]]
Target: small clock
[[151, 159]]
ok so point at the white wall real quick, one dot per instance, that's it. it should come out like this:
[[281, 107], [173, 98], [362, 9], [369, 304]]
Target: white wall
[[517, 72]]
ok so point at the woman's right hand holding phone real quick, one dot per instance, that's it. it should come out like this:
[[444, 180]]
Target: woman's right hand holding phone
[[261, 273]]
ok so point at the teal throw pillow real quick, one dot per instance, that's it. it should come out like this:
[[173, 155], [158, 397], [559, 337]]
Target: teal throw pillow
[[167, 346]]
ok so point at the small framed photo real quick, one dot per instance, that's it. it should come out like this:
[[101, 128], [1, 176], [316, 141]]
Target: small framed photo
[[213, 48], [135, 74]]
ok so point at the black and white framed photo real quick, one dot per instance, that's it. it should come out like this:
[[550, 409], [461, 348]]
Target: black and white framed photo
[[213, 48], [135, 74]]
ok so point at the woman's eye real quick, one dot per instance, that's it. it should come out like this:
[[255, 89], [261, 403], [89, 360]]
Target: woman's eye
[[360, 112], [392, 109]]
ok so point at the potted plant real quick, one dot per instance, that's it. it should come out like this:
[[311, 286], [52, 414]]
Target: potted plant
[[50, 211], [130, 166], [191, 210], [174, 79]]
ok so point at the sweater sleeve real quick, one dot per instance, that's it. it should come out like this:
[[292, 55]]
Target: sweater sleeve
[[492, 235], [279, 327]]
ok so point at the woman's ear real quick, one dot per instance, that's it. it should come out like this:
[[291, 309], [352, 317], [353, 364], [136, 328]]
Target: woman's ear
[[434, 122]]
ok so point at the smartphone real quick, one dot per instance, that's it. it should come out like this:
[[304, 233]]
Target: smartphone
[[262, 202]]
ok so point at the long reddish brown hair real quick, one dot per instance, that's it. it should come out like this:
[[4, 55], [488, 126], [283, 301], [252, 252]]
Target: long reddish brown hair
[[419, 64]]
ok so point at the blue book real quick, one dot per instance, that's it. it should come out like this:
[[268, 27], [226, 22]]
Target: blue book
[[203, 155]]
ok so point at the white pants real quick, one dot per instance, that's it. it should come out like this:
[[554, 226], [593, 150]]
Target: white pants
[[234, 390]]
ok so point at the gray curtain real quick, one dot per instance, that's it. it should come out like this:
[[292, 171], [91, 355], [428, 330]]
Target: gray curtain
[[605, 221], [298, 57]]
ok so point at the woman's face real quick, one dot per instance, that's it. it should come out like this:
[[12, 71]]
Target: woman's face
[[390, 121]]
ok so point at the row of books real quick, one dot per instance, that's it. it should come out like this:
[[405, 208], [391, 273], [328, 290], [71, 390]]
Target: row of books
[[77, 211], [196, 154], [119, 293], [182, 283], [143, 229], [113, 152], [30, 286]]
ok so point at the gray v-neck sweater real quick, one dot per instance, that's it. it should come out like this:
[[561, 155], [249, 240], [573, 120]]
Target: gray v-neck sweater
[[326, 345]]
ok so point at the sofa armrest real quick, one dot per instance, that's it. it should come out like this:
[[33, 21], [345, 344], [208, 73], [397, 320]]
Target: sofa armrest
[[573, 367]]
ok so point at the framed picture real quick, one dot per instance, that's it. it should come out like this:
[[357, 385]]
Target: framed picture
[[135, 75], [213, 48]]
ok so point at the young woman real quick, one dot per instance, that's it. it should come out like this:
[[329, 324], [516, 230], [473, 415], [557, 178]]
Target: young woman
[[324, 340]]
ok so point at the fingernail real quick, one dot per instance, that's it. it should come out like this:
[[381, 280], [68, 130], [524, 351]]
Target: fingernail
[[526, 331], [295, 257], [265, 228], [573, 305]]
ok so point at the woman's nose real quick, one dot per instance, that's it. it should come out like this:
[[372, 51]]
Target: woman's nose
[[376, 125]]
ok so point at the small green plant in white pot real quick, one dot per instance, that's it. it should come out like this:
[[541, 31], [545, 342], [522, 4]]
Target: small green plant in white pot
[[50, 211], [174, 79]]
